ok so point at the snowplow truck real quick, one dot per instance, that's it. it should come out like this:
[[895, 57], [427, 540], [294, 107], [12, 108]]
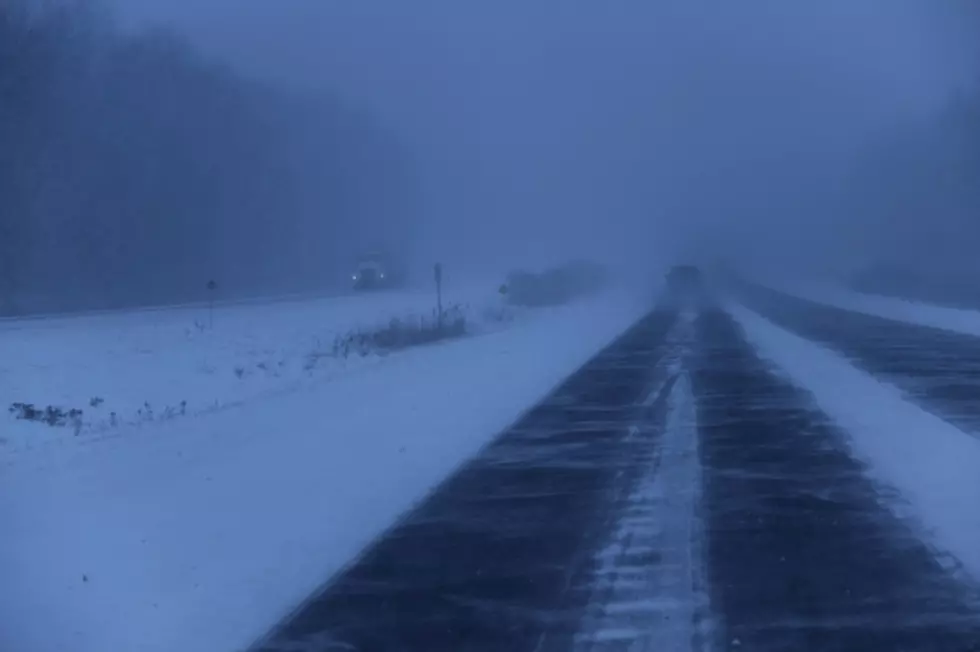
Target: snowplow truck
[[375, 272]]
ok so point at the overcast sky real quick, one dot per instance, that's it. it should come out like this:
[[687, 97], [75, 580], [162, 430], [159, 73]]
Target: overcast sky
[[632, 120]]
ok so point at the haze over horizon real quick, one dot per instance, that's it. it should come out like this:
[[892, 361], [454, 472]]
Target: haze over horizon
[[608, 120], [798, 136]]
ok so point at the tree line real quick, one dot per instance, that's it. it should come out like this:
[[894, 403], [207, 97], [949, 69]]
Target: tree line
[[918, 191], [135, 171]]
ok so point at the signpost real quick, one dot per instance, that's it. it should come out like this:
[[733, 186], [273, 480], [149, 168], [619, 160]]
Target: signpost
[[438, 276], [212, 286]]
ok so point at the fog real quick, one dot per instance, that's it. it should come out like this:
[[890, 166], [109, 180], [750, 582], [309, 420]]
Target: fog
[[653, 130]]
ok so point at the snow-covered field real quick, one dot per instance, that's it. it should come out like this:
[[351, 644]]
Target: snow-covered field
[[129, 368], [200, 531], [915, 312], [930, 463]]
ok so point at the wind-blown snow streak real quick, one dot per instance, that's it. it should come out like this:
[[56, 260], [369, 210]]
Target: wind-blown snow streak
[[930, 463], [649, 591]]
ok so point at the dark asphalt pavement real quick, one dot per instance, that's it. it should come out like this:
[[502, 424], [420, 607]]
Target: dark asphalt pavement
[[562, 534]]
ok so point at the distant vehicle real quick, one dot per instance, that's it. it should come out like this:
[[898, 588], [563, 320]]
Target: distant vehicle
[[685, 284], [376, 271], [684, 277], [556, 285]]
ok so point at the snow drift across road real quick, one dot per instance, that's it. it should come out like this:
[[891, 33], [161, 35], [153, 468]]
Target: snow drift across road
[[930, 463], [649, 583], [198, 534]]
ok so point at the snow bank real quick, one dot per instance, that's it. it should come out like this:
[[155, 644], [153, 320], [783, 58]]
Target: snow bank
[[200, 533], [951, 319], [932, 464]]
